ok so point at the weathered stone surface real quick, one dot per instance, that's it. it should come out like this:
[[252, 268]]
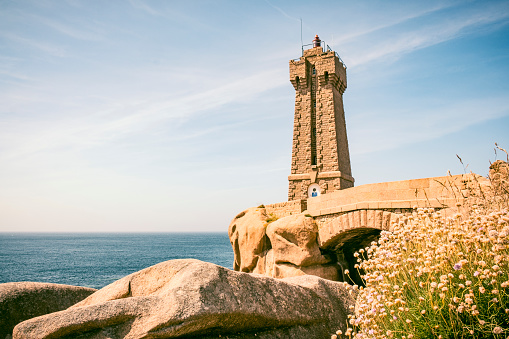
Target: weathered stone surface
[[186, 298], [295, 249], [248, 239], [293, 240], [329, 272], [20, 301], [287, 247]]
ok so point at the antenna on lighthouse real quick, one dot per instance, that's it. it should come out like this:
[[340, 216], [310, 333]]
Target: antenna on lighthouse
[[301, 42]]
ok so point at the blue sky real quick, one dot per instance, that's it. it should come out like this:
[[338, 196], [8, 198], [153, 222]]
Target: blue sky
[[176, 115]]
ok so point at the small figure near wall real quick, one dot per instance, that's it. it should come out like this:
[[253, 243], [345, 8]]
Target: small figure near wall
[[313, 190]]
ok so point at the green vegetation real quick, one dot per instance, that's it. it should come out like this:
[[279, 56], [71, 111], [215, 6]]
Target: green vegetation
[[271, 218]]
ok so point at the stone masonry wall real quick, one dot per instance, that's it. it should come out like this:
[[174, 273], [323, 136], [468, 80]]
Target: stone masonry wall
[[284, 209], [343, 153]]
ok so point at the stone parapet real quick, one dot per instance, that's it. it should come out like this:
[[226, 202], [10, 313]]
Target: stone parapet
[[284, 209], [388, 204], [438, 192], [313, 51]]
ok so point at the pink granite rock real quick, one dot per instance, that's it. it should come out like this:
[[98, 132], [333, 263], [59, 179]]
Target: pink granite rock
[[248, 239], [295, 249], [286, 247], [188, 298], [20, 301]]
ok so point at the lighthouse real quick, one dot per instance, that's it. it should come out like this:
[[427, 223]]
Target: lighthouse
[[320, 155]]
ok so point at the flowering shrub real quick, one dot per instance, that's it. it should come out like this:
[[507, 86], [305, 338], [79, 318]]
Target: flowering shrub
[[436, 277]]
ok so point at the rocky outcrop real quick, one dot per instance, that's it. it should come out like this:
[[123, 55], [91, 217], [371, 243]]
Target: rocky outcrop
[[20, 301], [187, 298], [295, 249], [286, 247], [248, 239]]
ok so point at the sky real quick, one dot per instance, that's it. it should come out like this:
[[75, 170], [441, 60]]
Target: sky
[[174, 116]]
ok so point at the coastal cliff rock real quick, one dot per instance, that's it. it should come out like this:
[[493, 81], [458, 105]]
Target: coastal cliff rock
[[187, 298], [286, 247], [248, 239], [295, 249], [20, 301]]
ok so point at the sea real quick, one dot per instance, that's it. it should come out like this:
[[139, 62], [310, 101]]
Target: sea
[[98, 259]]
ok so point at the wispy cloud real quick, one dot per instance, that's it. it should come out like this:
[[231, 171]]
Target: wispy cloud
[[92, 129], [170, 13], [421, 124], [90, 34], [41, 46], [7, 70], [282, 12], [141, 5], [393, 45], [390, 21]]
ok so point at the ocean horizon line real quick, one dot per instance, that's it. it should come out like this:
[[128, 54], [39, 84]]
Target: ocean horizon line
[[96, 259], [112, 232]]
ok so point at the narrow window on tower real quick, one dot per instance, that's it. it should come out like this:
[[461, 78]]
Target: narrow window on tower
[[313, 146], [314, 71], [326, 76], [314, 104]]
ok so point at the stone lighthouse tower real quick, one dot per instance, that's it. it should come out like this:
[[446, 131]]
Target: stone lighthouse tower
[[320, 156]]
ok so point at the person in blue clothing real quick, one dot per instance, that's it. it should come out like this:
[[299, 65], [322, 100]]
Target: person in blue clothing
[[314, 193]]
